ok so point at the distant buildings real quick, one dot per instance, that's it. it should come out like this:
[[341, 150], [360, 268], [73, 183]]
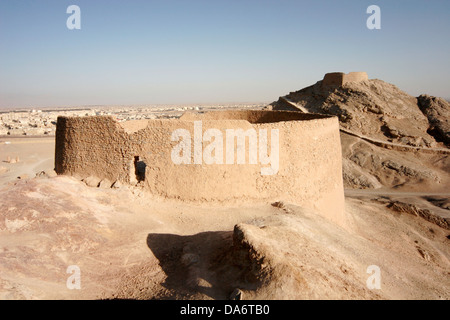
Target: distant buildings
[[43, 122]]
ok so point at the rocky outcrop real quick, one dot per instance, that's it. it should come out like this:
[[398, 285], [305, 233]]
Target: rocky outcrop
[[373, 108], [427, 214], [395, 124], [356, 177], [437, 110]]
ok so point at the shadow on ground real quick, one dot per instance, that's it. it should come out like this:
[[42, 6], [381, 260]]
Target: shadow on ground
[[199, 266]]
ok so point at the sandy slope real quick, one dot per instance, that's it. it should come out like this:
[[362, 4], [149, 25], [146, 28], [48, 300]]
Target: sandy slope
[[129, 245], [35, 155], [49, 224]]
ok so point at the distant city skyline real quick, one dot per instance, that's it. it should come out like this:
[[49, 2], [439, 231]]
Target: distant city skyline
[[198, 52]]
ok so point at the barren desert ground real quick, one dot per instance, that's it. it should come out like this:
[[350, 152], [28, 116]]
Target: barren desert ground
[[131, 245]]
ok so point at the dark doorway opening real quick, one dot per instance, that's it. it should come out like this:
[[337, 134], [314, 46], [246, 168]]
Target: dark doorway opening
[[139, 167]]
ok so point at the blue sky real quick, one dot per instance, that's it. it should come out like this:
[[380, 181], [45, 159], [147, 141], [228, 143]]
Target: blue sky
[[198, 51]]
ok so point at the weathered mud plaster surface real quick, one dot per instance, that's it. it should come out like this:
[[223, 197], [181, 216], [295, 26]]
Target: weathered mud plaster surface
[[310, 159]]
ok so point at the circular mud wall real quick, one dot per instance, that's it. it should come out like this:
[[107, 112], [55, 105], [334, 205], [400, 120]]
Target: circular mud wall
[[213, 157]]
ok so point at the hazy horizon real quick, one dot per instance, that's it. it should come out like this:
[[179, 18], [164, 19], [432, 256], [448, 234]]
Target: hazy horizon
[[212, 52]]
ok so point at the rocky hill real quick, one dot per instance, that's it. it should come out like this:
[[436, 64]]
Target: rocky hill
[[377, 109], [389, 138], [437, 111]]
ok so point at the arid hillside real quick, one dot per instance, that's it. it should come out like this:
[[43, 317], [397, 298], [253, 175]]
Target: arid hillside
[[377, 109], [389, 138]]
